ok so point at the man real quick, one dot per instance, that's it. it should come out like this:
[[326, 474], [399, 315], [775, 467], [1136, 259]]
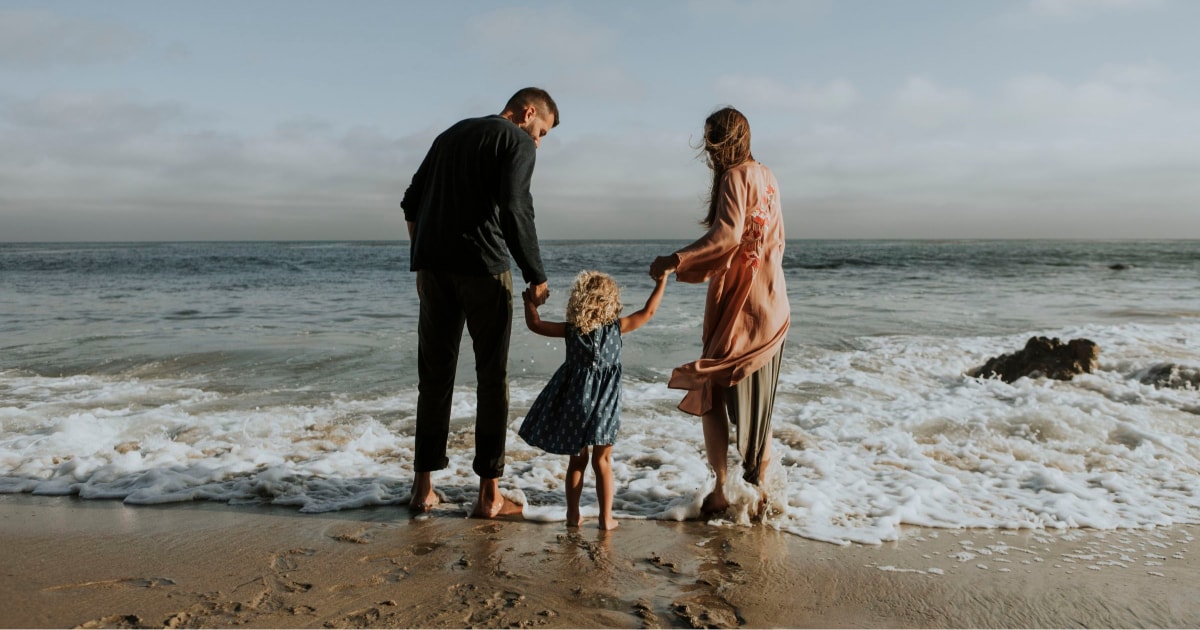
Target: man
[[468, 208]]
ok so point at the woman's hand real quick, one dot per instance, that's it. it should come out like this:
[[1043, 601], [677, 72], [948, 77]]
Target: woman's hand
[[663, 266]]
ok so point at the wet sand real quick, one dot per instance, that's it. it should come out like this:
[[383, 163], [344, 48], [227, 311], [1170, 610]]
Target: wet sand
[[75, 563]]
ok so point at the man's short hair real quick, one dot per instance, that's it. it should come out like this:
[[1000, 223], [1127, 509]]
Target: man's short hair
[[533, 96]]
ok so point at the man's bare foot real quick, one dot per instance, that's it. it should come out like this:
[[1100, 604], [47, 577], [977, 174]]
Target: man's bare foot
[[492, 504], [423, 497], [500, 509], [714, 503], [609, 524]]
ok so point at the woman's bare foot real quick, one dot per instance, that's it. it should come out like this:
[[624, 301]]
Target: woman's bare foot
[[714, 503], [763, 505], [574, 518], [609, 523]]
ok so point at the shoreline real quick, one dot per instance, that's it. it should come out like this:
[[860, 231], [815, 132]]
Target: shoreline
[[97, 563]]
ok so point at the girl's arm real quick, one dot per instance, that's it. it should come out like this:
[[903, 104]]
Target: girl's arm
[[638, 319], [534, 320]]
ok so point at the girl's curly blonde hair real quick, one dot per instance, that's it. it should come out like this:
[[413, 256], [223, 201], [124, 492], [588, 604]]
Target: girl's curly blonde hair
[[595, 301]]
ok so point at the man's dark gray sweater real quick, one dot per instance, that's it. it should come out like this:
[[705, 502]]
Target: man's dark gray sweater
[[471, 203]]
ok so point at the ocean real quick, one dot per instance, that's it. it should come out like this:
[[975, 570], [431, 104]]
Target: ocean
[[284, 373]]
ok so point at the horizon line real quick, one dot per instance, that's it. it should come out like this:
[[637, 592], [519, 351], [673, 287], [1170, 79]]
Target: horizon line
[[626, 240]]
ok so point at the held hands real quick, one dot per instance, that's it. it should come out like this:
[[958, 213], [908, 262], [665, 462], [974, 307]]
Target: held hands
[[663, 266], [536, 294]]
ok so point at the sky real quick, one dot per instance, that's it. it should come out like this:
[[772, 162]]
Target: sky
[[277, 120]]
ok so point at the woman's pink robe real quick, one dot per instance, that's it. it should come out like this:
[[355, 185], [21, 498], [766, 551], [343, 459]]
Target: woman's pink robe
[[746, 315]]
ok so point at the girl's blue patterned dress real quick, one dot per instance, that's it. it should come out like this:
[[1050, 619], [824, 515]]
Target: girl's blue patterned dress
[[581, 405]]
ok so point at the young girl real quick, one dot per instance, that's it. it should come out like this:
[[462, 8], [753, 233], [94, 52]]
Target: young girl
[[581, 405]]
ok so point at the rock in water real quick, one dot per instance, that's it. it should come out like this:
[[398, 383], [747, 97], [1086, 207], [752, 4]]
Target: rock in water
[[1042, 357], [1172, 376]]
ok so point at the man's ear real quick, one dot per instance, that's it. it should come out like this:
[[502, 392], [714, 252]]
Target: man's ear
[[530, 112]]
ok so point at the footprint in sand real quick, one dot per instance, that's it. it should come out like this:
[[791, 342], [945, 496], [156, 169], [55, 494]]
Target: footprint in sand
[[117, 621], [662, 563], [707, 611], [424, 549], [489, 528], [643, 610], [362, 618], [360, 537], [286, 561], [154, 582]]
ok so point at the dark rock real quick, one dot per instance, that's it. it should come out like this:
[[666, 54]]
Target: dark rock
[[1118, 266], [1042, 357], [1172, 376]]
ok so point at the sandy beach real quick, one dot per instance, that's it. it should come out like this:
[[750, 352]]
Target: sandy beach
[[94, 564]]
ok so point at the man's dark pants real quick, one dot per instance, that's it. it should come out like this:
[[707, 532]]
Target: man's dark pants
[[485, 305]]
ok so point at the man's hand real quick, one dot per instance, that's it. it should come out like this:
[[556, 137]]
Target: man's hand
[[538, 293]]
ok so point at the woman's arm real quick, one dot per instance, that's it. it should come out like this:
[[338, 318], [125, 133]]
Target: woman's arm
[[638, 319], [710, 253], [534, 320]]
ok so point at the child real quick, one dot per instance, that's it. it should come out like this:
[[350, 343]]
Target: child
[[581, 405]]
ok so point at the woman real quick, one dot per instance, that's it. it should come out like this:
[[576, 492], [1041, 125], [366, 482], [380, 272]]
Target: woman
[[746, 314]]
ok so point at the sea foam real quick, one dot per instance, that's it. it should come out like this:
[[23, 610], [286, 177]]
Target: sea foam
[[866, 440]]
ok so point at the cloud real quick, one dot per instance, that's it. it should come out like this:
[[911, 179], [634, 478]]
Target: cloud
[[869, 185], [1079, 8], [1039, 156], [1035, 155], [771, 11], [601, 82], [153, 170], [1149, 74], [1046, 107], [89, 112], [36, 39], [771, 94], [522, 35], [923, 103], [624, 184], [572, 52], [1041, 99]]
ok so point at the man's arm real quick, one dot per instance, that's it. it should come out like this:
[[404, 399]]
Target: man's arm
[[411, 202], [412, 235], [516, 211]]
